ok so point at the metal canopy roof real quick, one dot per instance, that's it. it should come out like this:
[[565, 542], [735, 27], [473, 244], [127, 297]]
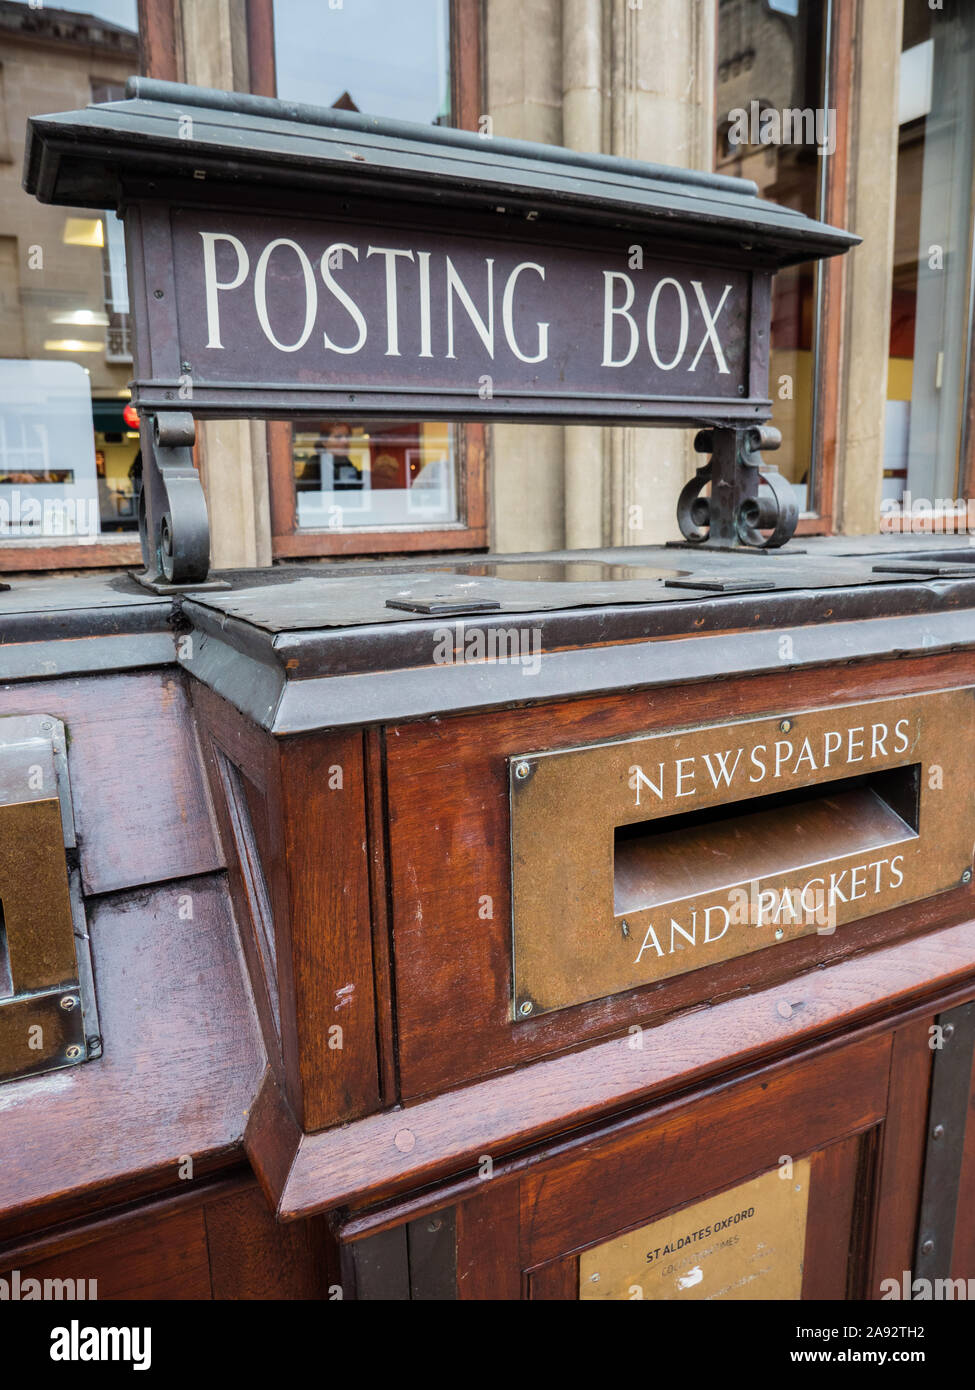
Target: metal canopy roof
[[195, 137]]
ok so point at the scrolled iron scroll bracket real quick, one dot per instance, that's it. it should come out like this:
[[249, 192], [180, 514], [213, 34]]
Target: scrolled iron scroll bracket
[[751, 505], [173, 524]]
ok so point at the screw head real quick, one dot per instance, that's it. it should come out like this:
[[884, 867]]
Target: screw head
[[779, 933], [522, 770], [785, 725], [157, 294], [966, 876], [73, 1051], [68, 1003], [948, 1030], [525, 1007], [938, 1132], [927, 1247]]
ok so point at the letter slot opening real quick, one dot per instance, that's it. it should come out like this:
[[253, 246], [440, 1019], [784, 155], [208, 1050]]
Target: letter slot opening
[[661, 861]]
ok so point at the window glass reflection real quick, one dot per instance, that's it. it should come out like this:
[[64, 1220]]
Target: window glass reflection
[[389, 59], [930, 297], [374, 473], [770, 62], [68, 454]]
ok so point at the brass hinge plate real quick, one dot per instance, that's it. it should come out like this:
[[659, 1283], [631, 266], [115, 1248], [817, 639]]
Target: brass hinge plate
[[48, 1017]]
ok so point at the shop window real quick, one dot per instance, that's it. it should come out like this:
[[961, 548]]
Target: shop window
[[374, 474], [69, 442], [782, 85], [345, 485], [367, 55], [929, 364]]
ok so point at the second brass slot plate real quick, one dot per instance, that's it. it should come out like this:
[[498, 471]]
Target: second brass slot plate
[[586, 925]]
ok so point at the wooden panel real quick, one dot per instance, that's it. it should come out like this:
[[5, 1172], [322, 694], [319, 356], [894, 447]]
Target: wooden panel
[[215, 1239], [687, 1151], [164, 1260], [449, 853], [830, 1220], [556, 1281], [308, 825], [391, 1153], [271, 1139], [181, 1064], [139, 797], [488, 1263], [229, 743], [828, 1232], [963, 1251], [324, 943], [902, 1155], [253, 1256]]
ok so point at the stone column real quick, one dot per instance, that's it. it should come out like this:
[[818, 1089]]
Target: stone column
[[874, 136], [661, 95], [582, 129], [233, 453], [523, 90]]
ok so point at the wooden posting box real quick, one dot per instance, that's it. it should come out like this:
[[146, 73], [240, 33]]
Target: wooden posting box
[[607, 916]]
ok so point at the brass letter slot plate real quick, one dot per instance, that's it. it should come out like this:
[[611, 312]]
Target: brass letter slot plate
[[747, 1243], [642, 859], [47, 1006]]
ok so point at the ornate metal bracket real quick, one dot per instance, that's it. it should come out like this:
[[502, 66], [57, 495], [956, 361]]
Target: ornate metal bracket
[[173, 523], [750, 506]]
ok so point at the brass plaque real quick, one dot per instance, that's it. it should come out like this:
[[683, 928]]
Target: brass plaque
[[747, 1243], [641, 859], [45, 998]]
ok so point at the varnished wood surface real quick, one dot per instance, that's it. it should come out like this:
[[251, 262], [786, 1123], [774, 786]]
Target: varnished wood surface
[[488, 1247], [688, 1151], [140, 801], [829, 1229], [228, 744], [181, 1064], [166, 1260], [386, 1154], [449, 852], [215, 1239], [904, 1141], [325, 941], [306, 822]]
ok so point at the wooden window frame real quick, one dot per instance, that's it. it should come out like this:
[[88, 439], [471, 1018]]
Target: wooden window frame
[[470, 533]]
